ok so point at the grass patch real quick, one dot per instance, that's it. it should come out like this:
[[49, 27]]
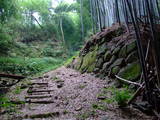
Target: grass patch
[[29, 66], [6, 104], [99, 107], [119, 96], [18, 90], [85, 115], [122, 96]]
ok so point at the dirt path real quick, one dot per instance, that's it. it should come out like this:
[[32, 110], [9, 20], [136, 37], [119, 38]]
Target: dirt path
[[65, 94]]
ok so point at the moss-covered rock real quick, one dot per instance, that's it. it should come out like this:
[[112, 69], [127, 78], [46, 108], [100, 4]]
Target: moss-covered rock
[[102, 49], [108, 52], [119, 62], [126, 49], [116, 50], [106, 65], [115, 70], [107, 56], [99, 63], [132, 57], [113, 58], [131, 71], [89, 61], [130, 47], [122, 52], [78, 64]]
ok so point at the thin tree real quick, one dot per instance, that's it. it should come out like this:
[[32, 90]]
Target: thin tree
[[81, 16]]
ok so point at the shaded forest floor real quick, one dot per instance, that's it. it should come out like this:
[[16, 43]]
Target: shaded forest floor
[[65, 94]]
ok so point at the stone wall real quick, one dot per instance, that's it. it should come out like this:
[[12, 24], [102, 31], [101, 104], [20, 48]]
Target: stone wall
[[110, 52]]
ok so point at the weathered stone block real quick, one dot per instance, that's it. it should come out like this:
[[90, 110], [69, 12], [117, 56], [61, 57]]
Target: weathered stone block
[[131, 71], [119, 62], [132, 57], [107, 56]]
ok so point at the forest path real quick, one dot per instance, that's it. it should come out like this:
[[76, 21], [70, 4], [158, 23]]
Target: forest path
[[65, 94]]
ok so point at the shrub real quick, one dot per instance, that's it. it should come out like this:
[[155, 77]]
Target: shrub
[[5, 39], [50, 52], [121, 97], [28, 66]]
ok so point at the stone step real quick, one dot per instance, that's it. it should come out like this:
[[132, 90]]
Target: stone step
[[38, 96], [43, 115], [48, 101], [40, 86], [39, 83], [39, 90]]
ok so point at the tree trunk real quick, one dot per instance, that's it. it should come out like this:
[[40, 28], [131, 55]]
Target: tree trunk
[[62, 33], [82, 25], [91, 10]]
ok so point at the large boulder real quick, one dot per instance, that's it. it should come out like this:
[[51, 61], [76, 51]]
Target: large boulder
[[131, 71]]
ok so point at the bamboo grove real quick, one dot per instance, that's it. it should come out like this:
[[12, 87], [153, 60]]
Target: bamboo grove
[[137, 13]]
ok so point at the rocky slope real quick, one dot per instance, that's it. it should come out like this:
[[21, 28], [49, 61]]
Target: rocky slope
[[111, 52]]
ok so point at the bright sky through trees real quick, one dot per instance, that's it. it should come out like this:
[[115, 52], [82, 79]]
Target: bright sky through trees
[[55, 2]]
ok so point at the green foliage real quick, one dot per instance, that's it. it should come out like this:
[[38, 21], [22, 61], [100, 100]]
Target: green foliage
[[28, 66], [65, 7], [85, 115], [49, 52], [89, 61], [121, 97], [24, 24], [6, 104], [17, 90], [70, 59], [5, 39], [99, 107], [8, 10]]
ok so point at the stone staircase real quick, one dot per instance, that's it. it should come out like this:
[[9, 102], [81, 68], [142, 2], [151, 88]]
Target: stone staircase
[[40, 96]]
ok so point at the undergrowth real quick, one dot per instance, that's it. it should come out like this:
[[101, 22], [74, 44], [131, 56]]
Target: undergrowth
[[29, 66], [119, 96], [6, 104], [122, 96]]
